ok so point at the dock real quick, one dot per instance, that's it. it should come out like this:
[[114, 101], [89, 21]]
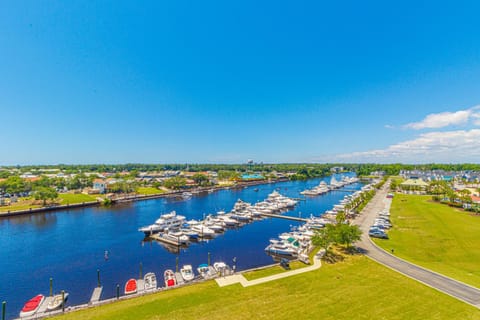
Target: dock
[[272, 215], [140, 285], [179, 278], [97, 292], [157, 237]]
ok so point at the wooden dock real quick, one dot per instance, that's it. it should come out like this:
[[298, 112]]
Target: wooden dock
[[97, 292], [272, 215], [157, 237]]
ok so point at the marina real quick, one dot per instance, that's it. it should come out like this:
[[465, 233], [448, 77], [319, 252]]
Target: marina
[[87, 233]]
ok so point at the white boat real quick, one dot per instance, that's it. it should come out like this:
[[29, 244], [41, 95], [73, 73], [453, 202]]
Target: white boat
[[187, 273], [204, 271], [56, 301], [169, 221], [203, 231], [170, 279], [187, 195], [221, 268], [150, 281], [281, 249], [177, 237]]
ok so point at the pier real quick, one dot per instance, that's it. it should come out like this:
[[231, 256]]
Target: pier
[[272, 215], [97, 292], [157, 237]]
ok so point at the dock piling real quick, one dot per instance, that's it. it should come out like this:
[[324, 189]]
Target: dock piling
[[51, 287], [63, 300], [208, 258], [4, 309], [176, 264], [118, 291], [98, 278], [141, 271]]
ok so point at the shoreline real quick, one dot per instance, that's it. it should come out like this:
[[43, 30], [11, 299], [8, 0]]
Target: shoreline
[[133, 198]]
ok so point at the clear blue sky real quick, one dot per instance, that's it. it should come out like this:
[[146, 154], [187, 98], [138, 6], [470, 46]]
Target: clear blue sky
[[222, 81]]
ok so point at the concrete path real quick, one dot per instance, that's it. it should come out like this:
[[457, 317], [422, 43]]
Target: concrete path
[[454, 288], [238, 278]]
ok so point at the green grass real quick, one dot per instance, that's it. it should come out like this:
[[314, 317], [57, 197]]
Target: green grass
[[356, 288], [76, 198], [149, 191], [435, 236], [265, 272], [23, 205]]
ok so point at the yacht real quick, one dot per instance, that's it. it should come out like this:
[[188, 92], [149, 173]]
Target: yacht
[[169, 221]]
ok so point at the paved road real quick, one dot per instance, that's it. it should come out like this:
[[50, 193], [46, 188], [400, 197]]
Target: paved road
[[449, 286]]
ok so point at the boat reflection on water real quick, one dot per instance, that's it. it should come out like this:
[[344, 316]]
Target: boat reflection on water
[[169, 247]]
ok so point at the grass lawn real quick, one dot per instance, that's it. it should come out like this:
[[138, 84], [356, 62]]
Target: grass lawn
[[21, 205], [260, 273], [356, 288], [76, 198], [435, 236], [149, 190]]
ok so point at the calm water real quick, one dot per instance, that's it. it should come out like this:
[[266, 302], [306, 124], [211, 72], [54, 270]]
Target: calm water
[[69, 245]]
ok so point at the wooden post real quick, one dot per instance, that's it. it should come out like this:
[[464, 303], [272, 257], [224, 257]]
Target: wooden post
[[63, 300], [141, 271], [4, 308], [209, 258], [176, 264], [51, 287], [118, 291], [98, 277]]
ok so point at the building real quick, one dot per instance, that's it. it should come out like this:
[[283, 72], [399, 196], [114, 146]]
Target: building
[[100, 185]]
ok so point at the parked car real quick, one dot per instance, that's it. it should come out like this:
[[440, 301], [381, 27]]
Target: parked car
[[378, 234]]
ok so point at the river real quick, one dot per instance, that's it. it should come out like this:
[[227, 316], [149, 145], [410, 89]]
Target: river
[[69, 245]]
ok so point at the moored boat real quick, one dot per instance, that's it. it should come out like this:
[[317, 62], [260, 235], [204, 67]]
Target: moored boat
[[57, 301], [150, 281], [187, 272], [131, 286], [170, 280], [32, 305]]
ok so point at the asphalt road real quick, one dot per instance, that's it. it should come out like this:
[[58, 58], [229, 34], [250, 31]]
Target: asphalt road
[[437, 281]]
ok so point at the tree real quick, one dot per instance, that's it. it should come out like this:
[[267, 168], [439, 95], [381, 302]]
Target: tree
[[200, 179], [14, 184], [347, 234], [45, 193], [325, 237], [175, 183]]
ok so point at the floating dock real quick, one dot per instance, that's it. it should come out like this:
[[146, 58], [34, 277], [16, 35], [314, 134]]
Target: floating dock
[[272, 215], [97, 292], [158, 237]]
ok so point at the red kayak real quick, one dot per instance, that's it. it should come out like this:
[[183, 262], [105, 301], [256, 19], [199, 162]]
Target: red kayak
[[32, 306], [131, 286]]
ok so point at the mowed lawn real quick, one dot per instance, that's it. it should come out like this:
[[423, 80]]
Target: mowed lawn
[[149, 191], [435, 236], [70, 198], [356, 288]]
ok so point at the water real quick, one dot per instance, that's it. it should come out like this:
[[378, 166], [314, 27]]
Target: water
[[69, 245]]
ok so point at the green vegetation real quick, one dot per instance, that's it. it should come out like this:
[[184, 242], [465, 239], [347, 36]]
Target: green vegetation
[[19, 206], [435, 236], [149, 191], [265, 272], [340, 233], [44, 194], [70, 198], [201, 179], [356, 288], [175, 183]]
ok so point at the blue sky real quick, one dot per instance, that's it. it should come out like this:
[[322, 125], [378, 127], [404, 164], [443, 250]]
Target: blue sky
[[220, 81]]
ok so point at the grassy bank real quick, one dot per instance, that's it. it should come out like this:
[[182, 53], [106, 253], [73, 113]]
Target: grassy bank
[[356, 288], [69, 198], [438, 237], [149, 191]]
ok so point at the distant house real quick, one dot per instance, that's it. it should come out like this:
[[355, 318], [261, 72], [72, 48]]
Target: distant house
[[100, 185]]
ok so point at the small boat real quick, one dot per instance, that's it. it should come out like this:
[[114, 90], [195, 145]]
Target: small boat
[[222, 268], [205, 271], [187, 272], [32, 305], [170, 280], [150, 281], [131, 286], [57, 301]]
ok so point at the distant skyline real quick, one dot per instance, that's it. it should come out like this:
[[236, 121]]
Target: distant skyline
[[221, 82]]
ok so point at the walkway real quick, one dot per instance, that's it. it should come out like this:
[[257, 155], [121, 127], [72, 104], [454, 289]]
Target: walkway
[[456, 289], [238, 278]]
